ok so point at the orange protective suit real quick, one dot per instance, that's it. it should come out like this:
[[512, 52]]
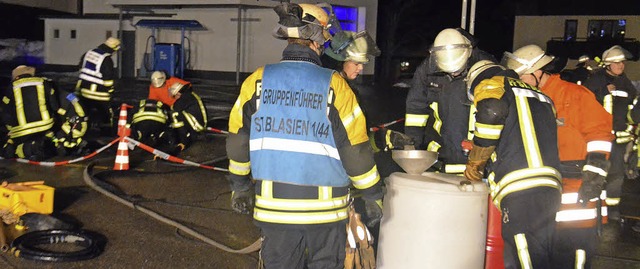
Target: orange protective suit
[[583, 126], [162, 93]]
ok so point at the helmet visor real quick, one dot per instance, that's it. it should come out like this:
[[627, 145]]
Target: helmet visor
[[450, 59], [360, 48]]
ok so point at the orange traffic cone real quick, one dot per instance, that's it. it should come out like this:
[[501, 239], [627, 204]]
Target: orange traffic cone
[[122, 155], [123, 129]]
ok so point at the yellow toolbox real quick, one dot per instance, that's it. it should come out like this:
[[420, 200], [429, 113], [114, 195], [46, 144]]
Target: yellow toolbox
[[26, 197]]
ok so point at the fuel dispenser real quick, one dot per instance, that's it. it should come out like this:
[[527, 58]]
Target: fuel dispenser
[[169, 57]]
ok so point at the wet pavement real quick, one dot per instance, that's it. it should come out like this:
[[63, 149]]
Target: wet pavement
[[195, 197]]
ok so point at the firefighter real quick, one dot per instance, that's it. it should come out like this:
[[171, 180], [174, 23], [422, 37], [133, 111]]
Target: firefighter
[[96, 84], [29, 113], [187, 117], [438, 113], [584, 144], [160, 88], [302, 128], [515, 127], [69, 140], [347, 53], [149, 124], [580, 73], [616, 93]]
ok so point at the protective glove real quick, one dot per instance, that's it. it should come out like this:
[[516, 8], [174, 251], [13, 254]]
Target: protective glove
[[374, 211], [243, 194], [593, 176], [242, 201], [478, 157], [389, 139]]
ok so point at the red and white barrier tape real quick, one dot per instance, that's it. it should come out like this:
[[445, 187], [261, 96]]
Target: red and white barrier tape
[[170, 158], [217, 130], [384, 125], [20, 160]]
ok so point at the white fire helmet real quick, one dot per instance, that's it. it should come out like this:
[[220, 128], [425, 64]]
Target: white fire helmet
[[158, 79], [526, 60], [450, 51], [615, 54]]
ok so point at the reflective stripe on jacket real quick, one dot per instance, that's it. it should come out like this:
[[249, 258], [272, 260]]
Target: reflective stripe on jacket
[[30, 104], [525, 140]]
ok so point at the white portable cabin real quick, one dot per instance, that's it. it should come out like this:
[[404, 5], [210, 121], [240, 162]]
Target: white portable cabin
[[236, 39]]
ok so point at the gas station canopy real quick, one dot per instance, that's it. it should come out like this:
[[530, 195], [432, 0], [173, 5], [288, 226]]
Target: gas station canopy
[[171, 24]]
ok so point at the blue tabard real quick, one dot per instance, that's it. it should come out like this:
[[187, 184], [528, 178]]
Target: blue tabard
[[291, 137]]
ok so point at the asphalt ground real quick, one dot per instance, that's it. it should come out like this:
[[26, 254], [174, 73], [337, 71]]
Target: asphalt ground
[[195, 197]]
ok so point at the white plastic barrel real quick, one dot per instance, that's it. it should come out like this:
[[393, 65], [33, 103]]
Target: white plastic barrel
[[432, 221]]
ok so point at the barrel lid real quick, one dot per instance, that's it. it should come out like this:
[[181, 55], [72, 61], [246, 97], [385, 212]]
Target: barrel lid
[[436, 182]]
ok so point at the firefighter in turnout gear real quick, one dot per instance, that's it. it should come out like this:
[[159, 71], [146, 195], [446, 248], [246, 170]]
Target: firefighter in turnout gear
[[70, 138], [347, 54], [29, 113], [96, 83], [515, 127], [306, 137], [616, 93], [584, 144], [162, 89], [149, 124], [187, 117], [438, 112]]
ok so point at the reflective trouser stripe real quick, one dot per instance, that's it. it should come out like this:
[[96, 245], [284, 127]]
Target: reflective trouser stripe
[[523, 251], [579, 214], [581, 258], [572, 213]]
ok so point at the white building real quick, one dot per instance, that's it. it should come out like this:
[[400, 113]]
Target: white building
[[236, 38]]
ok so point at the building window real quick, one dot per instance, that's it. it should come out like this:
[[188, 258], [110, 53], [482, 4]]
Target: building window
[[570, 30], [606, 29], [109, 34], [56, 33], [73, 34], [347, 16]]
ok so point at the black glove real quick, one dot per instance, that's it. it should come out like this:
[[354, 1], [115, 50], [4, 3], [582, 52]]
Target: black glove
[[242, 201], [374, 211], [242, 195], [593, 177], [388, 139]]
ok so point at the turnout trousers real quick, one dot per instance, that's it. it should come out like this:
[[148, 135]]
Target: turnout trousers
[[528, 226], [321, 247]]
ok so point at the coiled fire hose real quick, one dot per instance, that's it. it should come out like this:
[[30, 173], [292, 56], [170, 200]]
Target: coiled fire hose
[[90, 181], [26, 245]]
